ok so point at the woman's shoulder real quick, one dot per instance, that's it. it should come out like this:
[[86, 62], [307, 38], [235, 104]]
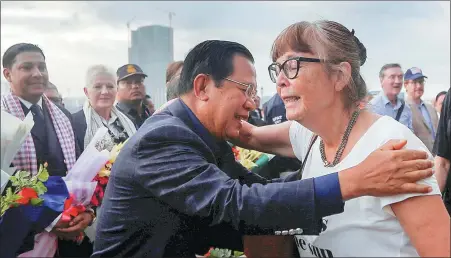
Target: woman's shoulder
[[387, 128]]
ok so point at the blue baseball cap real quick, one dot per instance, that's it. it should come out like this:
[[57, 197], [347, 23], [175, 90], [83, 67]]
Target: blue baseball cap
[[413, 74]]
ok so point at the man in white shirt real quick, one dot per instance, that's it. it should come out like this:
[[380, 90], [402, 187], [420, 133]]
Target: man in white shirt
[[387, 102]]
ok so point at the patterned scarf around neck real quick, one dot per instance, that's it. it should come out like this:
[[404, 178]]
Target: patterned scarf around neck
[[25, 159], [94, 122]]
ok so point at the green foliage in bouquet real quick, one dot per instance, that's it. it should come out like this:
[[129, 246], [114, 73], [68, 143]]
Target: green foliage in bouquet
[[223, 253], [27, 189]]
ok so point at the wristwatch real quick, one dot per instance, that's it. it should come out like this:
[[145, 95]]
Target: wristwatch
[[93, 215]]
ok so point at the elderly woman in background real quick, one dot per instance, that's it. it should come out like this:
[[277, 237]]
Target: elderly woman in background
[[172, 79], [99, 109], [321, 61]]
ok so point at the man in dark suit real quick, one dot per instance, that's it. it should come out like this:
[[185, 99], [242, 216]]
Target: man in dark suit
[[52, 138], [167, 195]]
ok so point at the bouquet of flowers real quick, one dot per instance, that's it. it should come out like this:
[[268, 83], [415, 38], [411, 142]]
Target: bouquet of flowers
[[226, 253], [103, 142], [79, 191], [251, 159], [102, 177], [31, 202]]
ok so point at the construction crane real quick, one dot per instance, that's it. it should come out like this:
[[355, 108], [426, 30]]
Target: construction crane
[[129, 36], [170, 14]]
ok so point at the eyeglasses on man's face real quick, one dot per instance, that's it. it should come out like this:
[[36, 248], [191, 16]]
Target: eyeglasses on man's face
[[290, 67], [250, 89]]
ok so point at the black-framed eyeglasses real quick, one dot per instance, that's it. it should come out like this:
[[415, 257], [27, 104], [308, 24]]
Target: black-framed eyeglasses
[[290, 67], [251, 89]]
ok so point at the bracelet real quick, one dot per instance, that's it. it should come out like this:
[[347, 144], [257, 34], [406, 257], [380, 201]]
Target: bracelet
[[93, 216]]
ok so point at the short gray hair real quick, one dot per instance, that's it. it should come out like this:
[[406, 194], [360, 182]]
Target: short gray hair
[[96, 70], [388, 66]]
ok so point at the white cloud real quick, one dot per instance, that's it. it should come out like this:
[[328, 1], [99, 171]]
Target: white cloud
[[75, 35]]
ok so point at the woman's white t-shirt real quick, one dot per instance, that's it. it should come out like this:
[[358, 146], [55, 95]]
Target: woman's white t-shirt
[[367, 227]]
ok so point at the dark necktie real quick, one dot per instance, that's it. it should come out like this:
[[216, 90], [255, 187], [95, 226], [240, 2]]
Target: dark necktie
[[38, 117], [39, 122]]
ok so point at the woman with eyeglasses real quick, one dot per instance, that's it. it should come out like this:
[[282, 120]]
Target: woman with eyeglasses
[[316, 68]]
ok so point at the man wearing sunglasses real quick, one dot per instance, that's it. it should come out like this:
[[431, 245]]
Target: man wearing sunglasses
[[175, 189]]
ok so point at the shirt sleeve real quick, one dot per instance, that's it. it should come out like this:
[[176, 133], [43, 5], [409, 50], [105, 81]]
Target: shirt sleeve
[[413, 143], [442, 144]]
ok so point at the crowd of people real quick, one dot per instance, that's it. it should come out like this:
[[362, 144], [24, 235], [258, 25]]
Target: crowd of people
[[360, 180]]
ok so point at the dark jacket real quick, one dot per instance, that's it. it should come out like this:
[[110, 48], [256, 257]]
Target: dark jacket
[[275, 113], [80, 126], [167, 196]]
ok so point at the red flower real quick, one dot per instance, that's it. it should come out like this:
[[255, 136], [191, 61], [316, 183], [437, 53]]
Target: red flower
[[26, 195], [97, 197], [208, 254], [236, 153]]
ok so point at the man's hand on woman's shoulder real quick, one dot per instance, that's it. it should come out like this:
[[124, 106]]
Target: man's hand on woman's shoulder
[[389, 170]]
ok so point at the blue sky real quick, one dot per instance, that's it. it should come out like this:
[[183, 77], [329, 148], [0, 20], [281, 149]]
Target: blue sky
[[75, 35]]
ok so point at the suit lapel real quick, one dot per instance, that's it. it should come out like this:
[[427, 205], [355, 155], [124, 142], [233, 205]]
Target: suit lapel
[[417, 115]]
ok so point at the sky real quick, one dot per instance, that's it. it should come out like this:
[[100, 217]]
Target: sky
[[75, 35]]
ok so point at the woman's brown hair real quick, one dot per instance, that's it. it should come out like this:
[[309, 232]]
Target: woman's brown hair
[[172, 69], [331, 42]]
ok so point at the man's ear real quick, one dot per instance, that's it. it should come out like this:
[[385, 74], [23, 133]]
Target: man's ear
[[86, 92], [343, 76], [200, 86], [7, 74]]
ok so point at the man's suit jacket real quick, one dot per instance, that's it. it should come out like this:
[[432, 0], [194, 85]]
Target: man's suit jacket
[[420, 127], [166, 193]]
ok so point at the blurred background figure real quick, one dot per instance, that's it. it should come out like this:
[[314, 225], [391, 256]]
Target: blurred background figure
[[388, 102], [442, 151], [256, 116], [274, 113], [52, 93], [424, 116], [438, 103], [274, 110], [364, 103], [148, 102], [99, 110], [172, 79], [173, 70], [131, 93]]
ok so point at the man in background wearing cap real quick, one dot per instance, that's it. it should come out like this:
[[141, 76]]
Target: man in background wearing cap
[[424, 117], [131, 93], [387, 102]]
